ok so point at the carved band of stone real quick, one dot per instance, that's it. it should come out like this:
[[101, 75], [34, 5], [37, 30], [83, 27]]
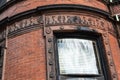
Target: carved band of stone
[[81, 20], [109, 56], [24, 30], [63, 19], [29, 24]]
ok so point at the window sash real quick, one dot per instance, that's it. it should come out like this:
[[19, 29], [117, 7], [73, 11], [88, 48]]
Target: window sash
[[84, 75]]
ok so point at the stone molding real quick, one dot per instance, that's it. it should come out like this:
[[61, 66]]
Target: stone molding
[[78, 19], [36, 22]]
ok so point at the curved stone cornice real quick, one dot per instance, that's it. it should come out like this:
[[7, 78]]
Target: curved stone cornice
[[55, 7]]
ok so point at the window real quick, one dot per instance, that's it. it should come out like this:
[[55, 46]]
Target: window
[[1, 63], [78, 57]]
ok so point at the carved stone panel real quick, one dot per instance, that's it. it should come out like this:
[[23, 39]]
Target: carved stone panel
[[80, 20], [25, 25]]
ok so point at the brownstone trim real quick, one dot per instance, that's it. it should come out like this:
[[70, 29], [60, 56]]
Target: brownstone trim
[[49, 36], [77, 18]]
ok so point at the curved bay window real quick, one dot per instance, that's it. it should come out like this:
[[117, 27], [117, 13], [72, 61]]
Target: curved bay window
[[79, 57]]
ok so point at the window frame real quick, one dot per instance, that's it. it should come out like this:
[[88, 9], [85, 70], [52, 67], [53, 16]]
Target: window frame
[[49, 34], [82, 35]]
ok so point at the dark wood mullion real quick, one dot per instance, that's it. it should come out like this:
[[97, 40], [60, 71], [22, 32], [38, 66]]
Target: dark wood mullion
[[97, 57], [56, 58], [102, 57]]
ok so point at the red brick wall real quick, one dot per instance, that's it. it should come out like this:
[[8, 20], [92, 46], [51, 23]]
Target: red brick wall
[[31, 4], [26, 57], [115, 53]]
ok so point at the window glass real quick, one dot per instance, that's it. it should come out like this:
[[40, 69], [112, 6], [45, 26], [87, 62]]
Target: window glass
[[77, 56]]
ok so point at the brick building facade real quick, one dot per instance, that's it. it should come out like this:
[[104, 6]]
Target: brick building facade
[[31, 30]]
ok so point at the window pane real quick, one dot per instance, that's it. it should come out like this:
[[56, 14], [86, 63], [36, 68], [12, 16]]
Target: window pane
[[76, 56]]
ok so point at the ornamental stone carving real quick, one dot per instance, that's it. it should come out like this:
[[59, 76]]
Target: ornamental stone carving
[[63, 19]]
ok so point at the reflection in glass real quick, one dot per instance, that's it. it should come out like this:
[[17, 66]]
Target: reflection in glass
[[76, 56]]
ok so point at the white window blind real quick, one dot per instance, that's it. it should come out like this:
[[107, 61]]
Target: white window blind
[[77, 56]]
